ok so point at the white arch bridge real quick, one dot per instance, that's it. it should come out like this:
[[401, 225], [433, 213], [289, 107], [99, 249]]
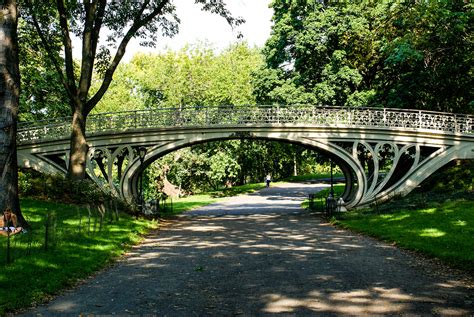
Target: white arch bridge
[[382, 152]]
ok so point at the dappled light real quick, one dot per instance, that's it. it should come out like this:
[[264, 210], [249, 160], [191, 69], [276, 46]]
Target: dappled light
[[205, 228], [432, 232], [374, 301], [373, 95], [274, 264], [260, 253], [439, 229]]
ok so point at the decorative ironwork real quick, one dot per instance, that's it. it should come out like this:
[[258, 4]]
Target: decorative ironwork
[[252, 115]]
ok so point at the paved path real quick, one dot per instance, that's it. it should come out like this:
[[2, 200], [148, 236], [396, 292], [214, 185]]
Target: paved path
[[260, 255]]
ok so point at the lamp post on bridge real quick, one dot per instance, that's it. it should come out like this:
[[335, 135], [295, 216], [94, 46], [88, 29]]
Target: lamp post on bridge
[[141, 154]]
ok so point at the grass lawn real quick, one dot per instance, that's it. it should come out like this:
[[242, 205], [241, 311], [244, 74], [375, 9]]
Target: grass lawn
[[307, 177], [76, 248], [442, 229], [320, 197], [183, 204]]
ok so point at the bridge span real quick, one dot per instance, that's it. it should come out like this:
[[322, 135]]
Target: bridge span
[[382, 152]]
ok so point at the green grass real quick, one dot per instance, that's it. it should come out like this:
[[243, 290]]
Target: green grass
[[338, 191], [238, 190], [319, 197], [441, 229], [307, 177], [75, 251], [183, 204]]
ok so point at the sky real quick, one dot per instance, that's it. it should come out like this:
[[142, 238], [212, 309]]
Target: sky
[[198, 26]]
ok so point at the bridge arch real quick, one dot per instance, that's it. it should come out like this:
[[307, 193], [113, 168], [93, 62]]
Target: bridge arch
[[349, 166], [382, 152]]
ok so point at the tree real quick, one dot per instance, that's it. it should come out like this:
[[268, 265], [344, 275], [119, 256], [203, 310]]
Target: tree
[[195, 75], [42, 94], [428, 56], [320, 53], [9, 101], [409, 54], [218, 164], [90, 20]]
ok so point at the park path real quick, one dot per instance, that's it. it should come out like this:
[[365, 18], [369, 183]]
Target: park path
[[258, 255]]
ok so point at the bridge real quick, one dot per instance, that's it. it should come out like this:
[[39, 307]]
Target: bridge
[[383, 153]]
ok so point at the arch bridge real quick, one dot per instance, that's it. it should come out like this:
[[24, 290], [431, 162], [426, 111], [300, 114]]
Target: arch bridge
[[382, 152]]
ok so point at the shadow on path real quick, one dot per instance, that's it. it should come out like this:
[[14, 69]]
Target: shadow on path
[[266, 263]]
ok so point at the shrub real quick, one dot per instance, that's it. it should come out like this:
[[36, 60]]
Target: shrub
[[456, 176], [58, 188]]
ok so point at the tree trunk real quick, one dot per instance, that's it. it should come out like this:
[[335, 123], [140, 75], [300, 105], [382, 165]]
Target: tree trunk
[[79, 146], [9, 101]]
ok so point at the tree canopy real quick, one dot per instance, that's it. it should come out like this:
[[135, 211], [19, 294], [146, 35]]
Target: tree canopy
[[42, 95], [105, 29], [403, 54], [219, 164], [193, 76]]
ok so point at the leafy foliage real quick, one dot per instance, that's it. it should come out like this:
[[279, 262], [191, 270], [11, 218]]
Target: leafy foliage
[[42, 95], [89, 21], [454, 177], [58, 188], [409, 54], [197, 76], [223, 164], [193, 76]]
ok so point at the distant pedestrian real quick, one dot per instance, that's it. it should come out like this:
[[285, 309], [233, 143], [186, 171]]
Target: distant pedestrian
[[268, 179]]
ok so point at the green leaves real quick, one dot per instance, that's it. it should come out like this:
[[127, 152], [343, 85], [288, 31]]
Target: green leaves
[[219, 164], [192, 76], [42, 94], [323, 54], [397, 54]]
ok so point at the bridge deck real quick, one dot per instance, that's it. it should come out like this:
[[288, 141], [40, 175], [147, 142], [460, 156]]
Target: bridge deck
[[199, 116]]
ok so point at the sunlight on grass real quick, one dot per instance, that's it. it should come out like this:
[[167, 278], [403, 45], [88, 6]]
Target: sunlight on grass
[[428, 211], [432, 233], [183, 204], [76, 248], [395, 217], [460, 223], [439, 229]]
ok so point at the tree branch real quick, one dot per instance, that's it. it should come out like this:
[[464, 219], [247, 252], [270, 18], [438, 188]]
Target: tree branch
[[93, 23], [98, 22], [49, 50], [137, 24], [68, 59]]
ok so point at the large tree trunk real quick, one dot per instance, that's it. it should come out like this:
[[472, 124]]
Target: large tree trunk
[[79, 147], [9, 101]]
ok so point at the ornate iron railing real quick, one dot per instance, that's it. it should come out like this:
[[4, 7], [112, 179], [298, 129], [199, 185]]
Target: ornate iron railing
[[200, 116]]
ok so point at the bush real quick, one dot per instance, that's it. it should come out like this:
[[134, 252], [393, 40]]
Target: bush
[[60, 189], [457, 176]]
